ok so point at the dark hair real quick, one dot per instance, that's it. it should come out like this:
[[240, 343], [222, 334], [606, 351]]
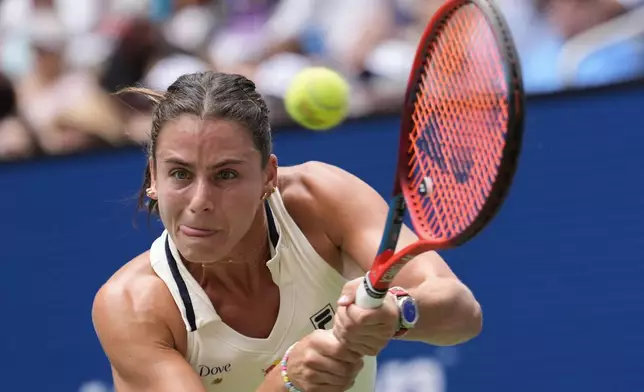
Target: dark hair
[[206, 95], [8, 104]]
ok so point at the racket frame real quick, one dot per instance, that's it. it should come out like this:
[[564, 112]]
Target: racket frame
[[388, 263]]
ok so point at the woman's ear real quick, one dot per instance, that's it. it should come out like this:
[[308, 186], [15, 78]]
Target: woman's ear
[[151, 192], [270, 174]]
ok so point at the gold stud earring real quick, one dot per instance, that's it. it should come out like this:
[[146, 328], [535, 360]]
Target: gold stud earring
[[150, 192], [268, 193]]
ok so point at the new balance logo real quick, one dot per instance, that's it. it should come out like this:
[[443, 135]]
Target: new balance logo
[[322, 319]]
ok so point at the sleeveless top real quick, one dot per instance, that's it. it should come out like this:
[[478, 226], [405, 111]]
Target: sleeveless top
[[309, 288]]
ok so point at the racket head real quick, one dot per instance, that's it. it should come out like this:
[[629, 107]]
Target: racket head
[[462, 124]]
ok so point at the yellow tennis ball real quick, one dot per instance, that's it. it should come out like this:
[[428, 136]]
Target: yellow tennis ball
[[317, 98]]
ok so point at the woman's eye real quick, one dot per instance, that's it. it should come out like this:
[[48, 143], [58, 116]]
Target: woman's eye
[[179, 174], [227, 174]]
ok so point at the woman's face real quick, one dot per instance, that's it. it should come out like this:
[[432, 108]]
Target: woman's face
[[209, 183]]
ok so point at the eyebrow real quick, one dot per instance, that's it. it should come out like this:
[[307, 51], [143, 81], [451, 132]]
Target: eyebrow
[[225, 162]]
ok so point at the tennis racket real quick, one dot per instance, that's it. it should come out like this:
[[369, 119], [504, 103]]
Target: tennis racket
[[460, 137]]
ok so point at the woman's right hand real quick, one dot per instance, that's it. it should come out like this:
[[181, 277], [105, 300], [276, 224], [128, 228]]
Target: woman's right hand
[[320, 363]]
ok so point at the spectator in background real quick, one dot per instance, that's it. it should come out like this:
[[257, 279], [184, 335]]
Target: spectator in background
[[15, 140], [393, 56], [153, 49], [269, 41], [66, 108], [618, 62], [137, 47], [64, 57], [542, 27], [388, 61], [184, 31], [239, 43]]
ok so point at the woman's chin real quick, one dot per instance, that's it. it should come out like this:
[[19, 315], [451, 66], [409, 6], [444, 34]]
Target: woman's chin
[[202, 249]]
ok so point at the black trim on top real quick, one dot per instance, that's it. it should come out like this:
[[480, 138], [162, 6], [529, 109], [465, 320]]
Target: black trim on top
[[272, 228], [181, 285]]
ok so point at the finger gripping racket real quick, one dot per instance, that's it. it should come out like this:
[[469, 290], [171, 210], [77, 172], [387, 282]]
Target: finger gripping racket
[[460, 137]]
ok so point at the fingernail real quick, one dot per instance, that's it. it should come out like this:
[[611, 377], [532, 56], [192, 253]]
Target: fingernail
[[343, 300]]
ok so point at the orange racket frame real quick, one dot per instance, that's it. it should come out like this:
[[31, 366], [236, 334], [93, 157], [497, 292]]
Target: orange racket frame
[[387, 263]]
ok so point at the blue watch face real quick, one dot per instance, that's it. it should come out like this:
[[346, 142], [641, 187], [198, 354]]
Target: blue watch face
[[409, 311]]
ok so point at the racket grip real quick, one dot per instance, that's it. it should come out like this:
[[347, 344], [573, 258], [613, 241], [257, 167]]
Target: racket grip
[[368, 299]]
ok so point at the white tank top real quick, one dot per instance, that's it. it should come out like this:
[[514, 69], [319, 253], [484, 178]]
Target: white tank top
[[227, 361]]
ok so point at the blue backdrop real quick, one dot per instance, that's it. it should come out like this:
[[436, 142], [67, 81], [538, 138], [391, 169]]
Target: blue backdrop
[[558, 272]]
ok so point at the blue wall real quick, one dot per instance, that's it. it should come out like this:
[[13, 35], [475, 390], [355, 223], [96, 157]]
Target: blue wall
[[559, 272]]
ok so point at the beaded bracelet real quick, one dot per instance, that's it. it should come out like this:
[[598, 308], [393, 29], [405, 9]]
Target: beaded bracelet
[[287, 382]]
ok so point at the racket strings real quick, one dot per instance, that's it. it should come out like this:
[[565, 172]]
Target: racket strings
[[460, 120]]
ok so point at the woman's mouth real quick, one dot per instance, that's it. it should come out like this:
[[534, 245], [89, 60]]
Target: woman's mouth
[[195, 231]]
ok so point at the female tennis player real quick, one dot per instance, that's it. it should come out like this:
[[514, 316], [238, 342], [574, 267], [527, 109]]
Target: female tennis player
[[251, 285]]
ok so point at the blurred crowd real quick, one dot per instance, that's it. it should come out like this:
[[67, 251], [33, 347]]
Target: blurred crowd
[[61, 60]]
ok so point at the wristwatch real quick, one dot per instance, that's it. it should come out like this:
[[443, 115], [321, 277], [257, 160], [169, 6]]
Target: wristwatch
[[408, 311]]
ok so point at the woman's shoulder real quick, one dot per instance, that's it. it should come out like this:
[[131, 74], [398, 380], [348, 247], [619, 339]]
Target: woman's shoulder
[[135, 293]]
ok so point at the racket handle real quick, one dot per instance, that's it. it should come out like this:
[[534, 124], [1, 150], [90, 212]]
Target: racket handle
[[367, 299]]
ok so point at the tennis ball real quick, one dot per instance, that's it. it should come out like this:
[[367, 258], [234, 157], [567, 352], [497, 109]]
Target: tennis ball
[[317, 98]]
